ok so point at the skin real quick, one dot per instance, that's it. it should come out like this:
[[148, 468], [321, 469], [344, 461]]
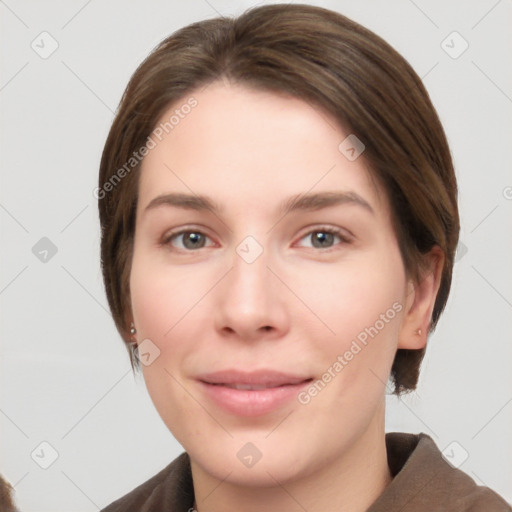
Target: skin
[[294, 309]]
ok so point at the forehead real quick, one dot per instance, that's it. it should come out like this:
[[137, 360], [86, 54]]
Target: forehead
[[240, 143]]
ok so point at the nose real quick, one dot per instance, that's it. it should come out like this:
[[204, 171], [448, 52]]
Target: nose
[[250, 302]]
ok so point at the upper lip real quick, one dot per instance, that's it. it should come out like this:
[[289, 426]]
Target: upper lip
[[264, 377]]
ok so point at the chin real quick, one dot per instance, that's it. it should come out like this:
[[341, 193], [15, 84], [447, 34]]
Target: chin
[[253, 461], [264, 473]]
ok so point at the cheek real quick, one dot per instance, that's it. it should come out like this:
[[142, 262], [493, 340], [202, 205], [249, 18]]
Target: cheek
[[349, 297], [151, 309], [360, 305], [168, 308], [162, 299], [162, 295]]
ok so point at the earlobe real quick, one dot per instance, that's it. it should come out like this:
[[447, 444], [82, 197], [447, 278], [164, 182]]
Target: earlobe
[[420, 303]]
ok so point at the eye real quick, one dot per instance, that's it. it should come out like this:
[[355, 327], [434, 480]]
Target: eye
[[191, 239], [323, 237]]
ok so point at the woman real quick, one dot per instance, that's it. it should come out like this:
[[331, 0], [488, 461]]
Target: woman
[[279, 221]]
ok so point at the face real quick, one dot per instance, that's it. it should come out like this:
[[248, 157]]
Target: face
[[306, 302]]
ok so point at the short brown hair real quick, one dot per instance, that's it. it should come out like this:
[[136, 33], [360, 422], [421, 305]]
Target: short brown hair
[[333, 63], [6, 501]]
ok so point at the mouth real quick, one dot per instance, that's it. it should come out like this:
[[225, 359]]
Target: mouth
[[255, 387], [252, 393], [256, 379]]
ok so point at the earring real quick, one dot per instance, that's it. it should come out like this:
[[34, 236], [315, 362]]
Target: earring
[[418, 332], [132, 329]]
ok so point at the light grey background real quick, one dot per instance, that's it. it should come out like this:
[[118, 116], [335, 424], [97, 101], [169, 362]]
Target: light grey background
[[65, 375]]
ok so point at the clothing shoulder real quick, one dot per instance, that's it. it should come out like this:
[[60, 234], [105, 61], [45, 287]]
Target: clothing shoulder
[[170, 489], [424, 480]]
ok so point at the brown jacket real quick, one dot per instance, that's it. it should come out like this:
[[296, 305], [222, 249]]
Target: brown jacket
[[423, 481]]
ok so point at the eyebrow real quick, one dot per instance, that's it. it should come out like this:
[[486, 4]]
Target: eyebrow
[[299, 202]]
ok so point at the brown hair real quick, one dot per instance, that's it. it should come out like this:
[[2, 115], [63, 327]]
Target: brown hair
[[324, 58], [6, 490]]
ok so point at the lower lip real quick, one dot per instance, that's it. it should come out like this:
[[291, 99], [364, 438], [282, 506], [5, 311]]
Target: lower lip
[[246, 402]]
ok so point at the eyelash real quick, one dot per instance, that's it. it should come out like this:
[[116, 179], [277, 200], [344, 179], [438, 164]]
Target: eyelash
[[166, 241]]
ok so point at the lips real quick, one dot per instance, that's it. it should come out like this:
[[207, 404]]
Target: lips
[[250, 387], [260, 379], [252, 393]]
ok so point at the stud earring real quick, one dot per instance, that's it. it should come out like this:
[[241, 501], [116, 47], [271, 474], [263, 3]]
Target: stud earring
[[132, 329], [418, 332]]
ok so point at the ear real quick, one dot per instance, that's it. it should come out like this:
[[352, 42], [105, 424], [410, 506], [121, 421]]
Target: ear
[[420, 300]]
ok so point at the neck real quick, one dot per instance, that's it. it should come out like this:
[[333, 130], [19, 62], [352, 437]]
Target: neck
[[350, 483]]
